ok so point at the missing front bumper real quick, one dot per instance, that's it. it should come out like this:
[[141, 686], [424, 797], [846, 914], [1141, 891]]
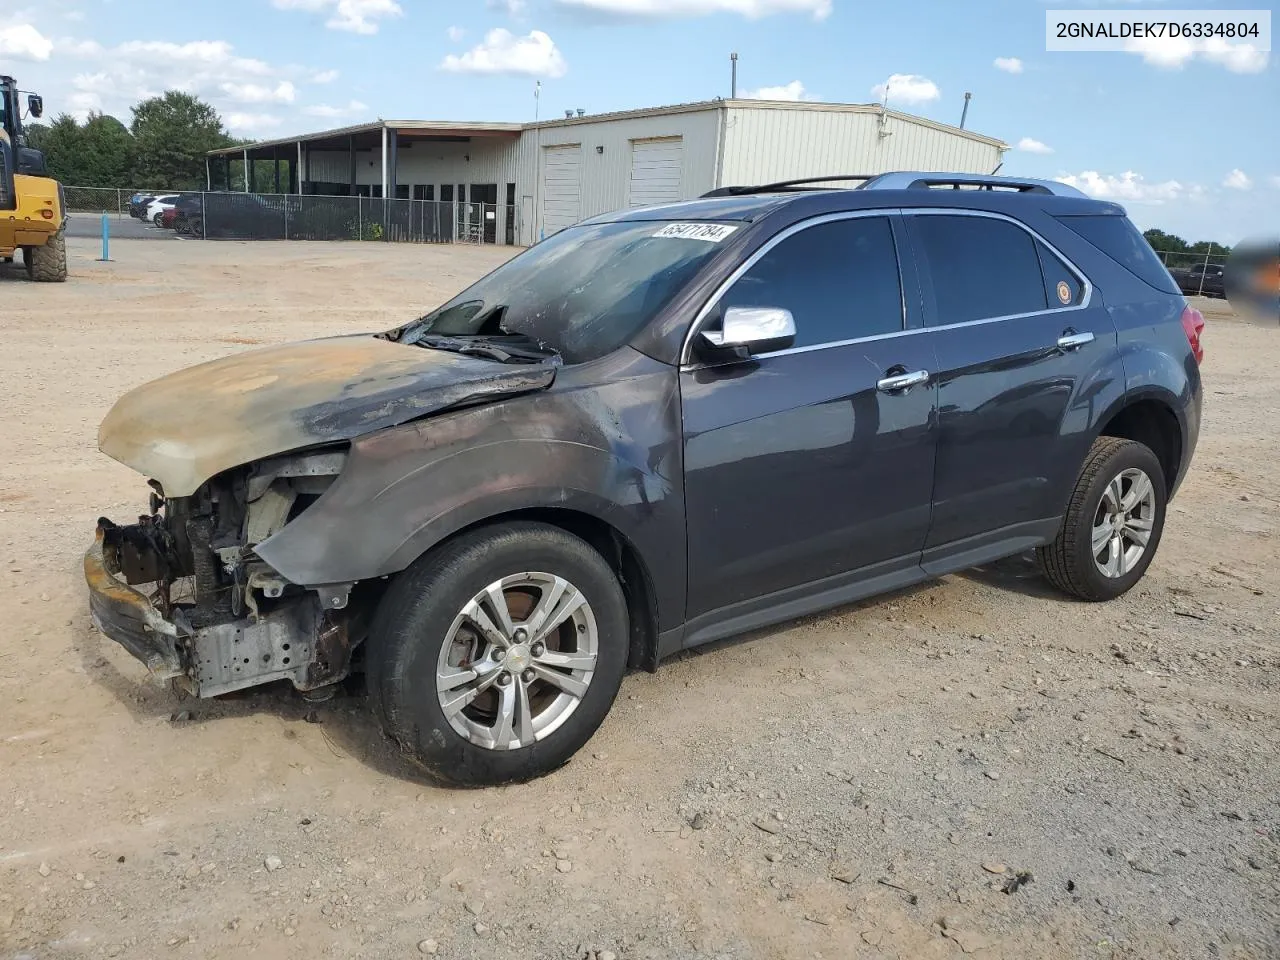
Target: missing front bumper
[[298, 641]]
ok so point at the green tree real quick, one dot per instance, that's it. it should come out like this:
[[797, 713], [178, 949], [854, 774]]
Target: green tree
[[1168, 242], [107, 152], [61, 143], [172, 134]]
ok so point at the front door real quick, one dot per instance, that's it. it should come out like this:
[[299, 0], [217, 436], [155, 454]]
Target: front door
[[1019, 342], [801, 472]]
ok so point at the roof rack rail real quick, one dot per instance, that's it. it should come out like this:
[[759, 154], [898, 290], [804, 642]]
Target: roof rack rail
[[785, 185], [917, 180]]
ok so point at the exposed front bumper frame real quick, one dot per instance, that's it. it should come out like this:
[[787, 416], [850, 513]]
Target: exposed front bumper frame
[[300, 641]]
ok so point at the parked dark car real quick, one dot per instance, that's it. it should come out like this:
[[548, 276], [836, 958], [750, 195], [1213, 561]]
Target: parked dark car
[[1202, 279], [138, 204], [188, 214], [656, 429]]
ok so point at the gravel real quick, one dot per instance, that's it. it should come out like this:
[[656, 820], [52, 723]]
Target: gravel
[[809, 791]]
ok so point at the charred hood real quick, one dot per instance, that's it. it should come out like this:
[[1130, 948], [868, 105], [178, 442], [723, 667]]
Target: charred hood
[[191, 425]]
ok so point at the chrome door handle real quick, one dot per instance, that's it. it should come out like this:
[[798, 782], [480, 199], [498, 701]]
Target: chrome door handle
[[1074, 341], [902, 381]]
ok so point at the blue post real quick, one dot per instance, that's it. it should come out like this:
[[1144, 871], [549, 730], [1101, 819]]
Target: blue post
[[106, 239]]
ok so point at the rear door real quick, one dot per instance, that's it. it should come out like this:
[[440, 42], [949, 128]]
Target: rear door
[[1020, 337], [805, 469]]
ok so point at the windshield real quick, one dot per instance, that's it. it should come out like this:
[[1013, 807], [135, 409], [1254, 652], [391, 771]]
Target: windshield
[[583, 292]]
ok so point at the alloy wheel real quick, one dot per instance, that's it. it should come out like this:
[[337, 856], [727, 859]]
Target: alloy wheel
[[1123, 523], [517, 660]]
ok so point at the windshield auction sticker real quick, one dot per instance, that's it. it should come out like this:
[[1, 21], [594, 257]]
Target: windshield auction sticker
[[710, 232], [1169, 34]]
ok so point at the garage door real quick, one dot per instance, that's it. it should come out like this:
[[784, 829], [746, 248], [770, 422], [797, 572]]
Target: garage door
[[655, 171], [561, 187]]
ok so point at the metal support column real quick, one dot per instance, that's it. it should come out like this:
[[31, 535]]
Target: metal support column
[[300, 168], [351, 145], [208, 174], [384, 162], [393, 164], [246, 173]]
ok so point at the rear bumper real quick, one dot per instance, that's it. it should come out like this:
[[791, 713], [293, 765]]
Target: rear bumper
[[128, 617]]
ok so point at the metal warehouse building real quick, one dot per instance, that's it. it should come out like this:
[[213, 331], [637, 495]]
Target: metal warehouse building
[[537, 178]]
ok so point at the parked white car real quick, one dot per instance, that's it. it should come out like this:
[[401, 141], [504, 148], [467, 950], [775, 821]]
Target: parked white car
[[158, 206]]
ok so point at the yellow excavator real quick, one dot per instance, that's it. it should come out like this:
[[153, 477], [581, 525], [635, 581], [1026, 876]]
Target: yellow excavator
[[32, 205]]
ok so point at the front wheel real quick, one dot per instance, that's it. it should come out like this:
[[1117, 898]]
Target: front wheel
[[496, 657], [1113, 523], [47, 263]]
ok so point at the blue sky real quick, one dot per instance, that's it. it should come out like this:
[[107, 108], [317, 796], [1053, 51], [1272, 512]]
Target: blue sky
[[1187, 141]]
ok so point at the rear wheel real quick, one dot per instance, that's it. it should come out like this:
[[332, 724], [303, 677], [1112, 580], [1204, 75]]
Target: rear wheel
[[158, 219], [1113, 524], [47, 263], [497, 656]]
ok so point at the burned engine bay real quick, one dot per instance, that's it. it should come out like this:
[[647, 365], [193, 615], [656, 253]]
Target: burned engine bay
[[222, 619]]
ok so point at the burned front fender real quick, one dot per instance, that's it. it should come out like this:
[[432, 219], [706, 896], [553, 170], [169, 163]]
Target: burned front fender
[[601, 442]]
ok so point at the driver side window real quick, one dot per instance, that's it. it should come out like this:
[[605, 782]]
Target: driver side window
[[839, 279]]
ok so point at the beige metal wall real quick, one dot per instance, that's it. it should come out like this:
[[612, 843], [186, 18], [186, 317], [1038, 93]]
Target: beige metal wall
[[606, 175], [764, 144]]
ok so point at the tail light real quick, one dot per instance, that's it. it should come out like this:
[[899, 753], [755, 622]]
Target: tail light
[[1193, 326]]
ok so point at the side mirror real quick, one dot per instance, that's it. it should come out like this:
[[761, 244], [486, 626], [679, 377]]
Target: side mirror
[[35, 105], [746, 331]]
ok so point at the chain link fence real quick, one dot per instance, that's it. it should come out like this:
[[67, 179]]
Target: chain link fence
[[257, 216], [1199, 274]]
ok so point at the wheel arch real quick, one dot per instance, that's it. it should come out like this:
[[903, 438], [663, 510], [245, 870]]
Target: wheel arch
[[1151, 417], [617, 550]]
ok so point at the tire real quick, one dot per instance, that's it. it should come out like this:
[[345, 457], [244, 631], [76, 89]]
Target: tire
[[419, 627], [158, 219], [48, 263], [1069, 562]]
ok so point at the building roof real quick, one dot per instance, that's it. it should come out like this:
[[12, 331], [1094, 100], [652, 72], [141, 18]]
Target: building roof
[[456, 128]]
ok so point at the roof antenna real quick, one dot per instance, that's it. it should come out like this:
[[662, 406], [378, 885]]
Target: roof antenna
[[884, 108], [965, 112], [997, 169], [733, 76]]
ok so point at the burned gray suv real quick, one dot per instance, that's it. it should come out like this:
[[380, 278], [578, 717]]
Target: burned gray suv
[[653, 430]]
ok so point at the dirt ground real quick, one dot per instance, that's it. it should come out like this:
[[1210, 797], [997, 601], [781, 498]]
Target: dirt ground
[[975, 767]]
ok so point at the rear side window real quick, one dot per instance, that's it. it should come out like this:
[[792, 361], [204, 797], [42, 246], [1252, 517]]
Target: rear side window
[[981, 268], [839, 280], [1120, 240], [1062, 287]]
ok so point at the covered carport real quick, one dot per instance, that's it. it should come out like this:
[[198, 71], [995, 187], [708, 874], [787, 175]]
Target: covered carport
[[470, 166]]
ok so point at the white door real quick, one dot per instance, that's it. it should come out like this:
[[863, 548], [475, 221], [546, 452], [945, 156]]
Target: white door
[[655, 171], [561, 187]]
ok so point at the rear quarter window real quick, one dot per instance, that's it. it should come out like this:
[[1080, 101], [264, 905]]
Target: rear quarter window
[[1120, 240]]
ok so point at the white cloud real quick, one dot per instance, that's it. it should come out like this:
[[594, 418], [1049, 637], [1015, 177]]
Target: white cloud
[[455, 34], [1275, 181], [1237, 179], [1029, 145], [907, 88], [502, 52], [251, 122], [789, 91], [22, 41], [512, 8], [1129, 186], [1175, 53], [282, 92], [324, 76], [353, 16], [674, 9], [330, 112], [112, 79], [1007, 64]]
